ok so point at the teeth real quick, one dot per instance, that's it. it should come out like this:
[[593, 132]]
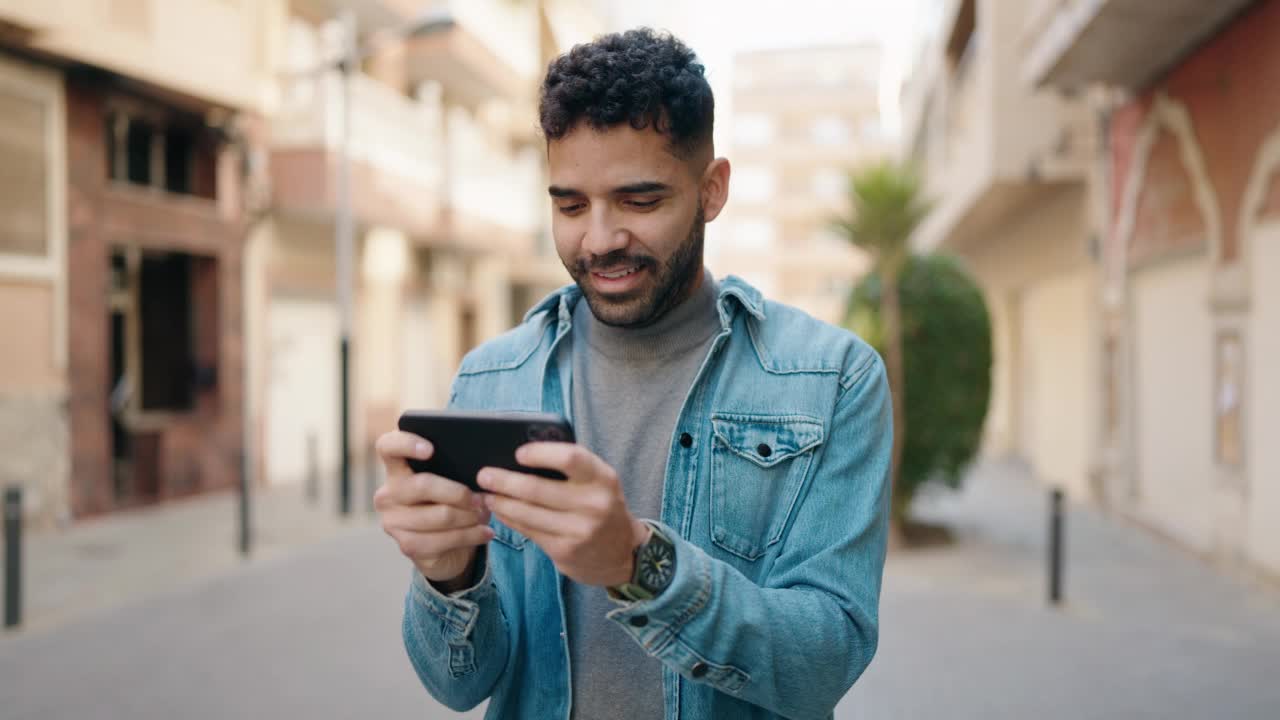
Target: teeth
[[621, 274]]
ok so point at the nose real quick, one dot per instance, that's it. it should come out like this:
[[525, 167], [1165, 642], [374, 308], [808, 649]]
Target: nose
[[604, 235]]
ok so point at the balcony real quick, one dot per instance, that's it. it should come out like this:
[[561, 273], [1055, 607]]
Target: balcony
[[206, 52], [494, 195], [1126, 43], [368, 13], [490, 53], [396, 151], [987, 143]]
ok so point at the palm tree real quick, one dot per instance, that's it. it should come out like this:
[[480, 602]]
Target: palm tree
[[886, 206]]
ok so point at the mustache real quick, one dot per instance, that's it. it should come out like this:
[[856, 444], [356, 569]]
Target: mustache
[[597, 263]]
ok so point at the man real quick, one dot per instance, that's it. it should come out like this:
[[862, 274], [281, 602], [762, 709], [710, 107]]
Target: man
[[718, 547]]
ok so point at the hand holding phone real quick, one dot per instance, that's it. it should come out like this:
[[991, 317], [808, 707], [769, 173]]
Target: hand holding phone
[[465, 442], [437, 523]]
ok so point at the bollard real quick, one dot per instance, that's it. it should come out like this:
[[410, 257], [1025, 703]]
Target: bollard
[[12, 557], [313, 468], [344, 438], [245, 498], [371, 477], [1055, 547]]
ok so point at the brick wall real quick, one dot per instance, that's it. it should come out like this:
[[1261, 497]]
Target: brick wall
[[1167, 220], [198, 450], [1229, 87]]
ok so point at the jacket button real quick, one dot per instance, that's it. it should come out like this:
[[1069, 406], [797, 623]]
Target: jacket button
[[698, 670], [639, 621], [686, 440], [764, 450]]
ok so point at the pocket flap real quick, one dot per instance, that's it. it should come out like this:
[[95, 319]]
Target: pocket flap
[[767, 440]]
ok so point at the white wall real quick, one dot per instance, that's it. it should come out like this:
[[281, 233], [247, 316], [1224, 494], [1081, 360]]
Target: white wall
[[1262, 401], [999, 434], [423, 384], [483, 167], [1173, 372], [1058, 371], [302, 388], [383, 267]]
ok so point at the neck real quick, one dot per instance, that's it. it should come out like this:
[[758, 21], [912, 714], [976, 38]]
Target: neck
[[686, 324]]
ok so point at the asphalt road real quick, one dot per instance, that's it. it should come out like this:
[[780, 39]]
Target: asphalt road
[[1149, 632]]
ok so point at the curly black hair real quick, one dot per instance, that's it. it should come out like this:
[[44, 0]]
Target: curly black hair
[[642, 77]]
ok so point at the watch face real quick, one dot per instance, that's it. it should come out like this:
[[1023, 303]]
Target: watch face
[[656, 565]]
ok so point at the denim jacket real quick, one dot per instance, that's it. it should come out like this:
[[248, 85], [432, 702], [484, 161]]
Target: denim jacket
[[778, 510]]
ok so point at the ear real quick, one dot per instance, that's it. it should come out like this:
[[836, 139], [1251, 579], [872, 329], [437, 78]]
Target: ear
[[714, 189]]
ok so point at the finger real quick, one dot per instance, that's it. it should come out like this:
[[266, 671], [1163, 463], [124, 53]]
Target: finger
[[535, 518], [552, 494], [430, 488], [434, 544], [397, 446], [573, 460], [433, 518]]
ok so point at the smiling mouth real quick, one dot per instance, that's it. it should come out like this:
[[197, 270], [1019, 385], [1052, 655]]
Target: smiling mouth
[[619, 274]]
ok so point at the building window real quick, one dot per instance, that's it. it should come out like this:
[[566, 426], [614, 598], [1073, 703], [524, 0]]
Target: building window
[[752, 129], [1111, 385], [829, 184], [871, 131], [754, 183], [829, 130], [754, 235], [24, 168], [175, 155], [179, 161], [1230, 393], [165, 310], [829, 239], [139, 144], [165, 340]]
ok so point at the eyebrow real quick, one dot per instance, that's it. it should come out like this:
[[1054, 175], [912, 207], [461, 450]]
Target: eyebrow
[[636, 188], [641, 188]]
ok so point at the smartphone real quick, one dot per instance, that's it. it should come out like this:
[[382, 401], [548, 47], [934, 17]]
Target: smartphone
[[464, 442]]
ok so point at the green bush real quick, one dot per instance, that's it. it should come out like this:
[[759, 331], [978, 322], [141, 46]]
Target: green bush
[[946, 337]]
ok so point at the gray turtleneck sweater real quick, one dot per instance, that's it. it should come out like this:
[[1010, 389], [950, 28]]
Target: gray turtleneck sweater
[[628, 389]]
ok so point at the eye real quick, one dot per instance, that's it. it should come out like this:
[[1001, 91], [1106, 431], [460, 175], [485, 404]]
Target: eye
[[643, 204], [572, 209]]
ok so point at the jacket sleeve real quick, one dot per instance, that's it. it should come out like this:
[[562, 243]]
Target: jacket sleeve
[[795, 644], [458, 642]]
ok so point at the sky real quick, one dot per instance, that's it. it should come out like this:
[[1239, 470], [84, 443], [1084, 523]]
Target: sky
[[718, 29]]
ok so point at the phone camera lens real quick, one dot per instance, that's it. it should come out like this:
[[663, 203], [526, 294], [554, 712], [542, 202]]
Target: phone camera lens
[[544, 433]]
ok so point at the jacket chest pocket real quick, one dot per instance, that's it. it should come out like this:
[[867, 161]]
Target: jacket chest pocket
[[758, 466]]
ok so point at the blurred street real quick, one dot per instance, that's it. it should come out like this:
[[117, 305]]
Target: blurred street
[[239, 239], [1148, 631], [100, 564]]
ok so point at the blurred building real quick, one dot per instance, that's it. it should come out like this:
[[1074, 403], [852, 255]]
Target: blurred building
[[1007, 166], [123, 208], [1109, 169], [1190, 336], [168, 203], [802, 119], [451, 214]]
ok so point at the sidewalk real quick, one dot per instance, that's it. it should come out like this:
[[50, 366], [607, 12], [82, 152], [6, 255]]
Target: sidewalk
[[1147, 630], [121, 559]]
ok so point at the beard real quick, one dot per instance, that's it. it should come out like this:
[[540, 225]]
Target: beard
[[669, 283]]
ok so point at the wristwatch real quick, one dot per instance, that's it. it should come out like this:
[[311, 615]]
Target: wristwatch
[[655, 566]]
